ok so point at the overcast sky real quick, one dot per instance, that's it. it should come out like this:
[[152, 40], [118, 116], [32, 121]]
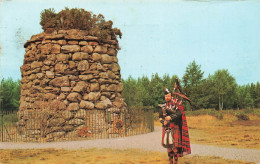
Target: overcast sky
[[158, 36]]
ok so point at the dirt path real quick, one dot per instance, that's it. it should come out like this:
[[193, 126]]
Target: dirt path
[[150, 141]]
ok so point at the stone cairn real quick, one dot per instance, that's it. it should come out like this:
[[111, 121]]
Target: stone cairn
[[73, 80]]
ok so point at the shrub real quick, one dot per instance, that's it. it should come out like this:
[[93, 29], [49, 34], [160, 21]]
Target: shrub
[[242, 116], [219, 115], [76, 18]]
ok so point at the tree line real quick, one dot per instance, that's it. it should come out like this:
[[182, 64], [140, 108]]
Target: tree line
[[218, 91]]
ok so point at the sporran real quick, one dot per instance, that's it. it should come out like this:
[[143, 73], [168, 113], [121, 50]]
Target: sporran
[[167, 138]]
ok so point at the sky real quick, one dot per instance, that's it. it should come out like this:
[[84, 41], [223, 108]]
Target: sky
[[159, 36]]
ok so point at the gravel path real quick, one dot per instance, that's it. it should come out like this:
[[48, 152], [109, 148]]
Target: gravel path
[[150, 141]]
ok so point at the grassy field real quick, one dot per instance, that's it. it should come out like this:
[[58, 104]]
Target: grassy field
[[227, 131], [211, 129], [101, 156]]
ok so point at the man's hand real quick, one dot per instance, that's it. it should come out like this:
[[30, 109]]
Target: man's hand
[[165, 123], [161, 120], [168, 118]]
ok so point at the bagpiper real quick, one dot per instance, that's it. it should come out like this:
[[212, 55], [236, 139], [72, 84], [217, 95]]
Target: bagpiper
[[175, 135]]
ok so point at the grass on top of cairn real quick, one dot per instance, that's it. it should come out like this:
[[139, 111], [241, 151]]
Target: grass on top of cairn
[[101, 156]]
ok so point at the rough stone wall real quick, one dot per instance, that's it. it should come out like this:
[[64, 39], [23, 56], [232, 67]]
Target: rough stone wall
[[69, 73]]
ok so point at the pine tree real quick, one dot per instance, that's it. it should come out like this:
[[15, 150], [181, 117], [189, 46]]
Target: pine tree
[[191, 81], [257, 99], [145, 96], [156, 90], [249, 101]]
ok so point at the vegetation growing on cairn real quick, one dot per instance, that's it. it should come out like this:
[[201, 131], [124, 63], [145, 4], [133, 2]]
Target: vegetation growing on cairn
[[76, 18]]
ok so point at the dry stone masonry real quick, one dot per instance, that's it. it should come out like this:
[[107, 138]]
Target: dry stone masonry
[[68, 74]]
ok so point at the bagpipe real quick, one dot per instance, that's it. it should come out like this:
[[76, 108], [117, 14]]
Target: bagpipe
[[176, 97]]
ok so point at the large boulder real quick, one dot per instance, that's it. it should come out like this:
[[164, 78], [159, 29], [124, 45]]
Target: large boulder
[[86, 105], [67, 115], [83, 65], [60, 67], [104, 75], [73, 107], [46, 49], [62, 57], [94, 96], [103, 104], [57, 105], [77, 56], [60, 82], [74, 97], [86, 77], [101, 49], [106, 59], [81, 86], [36, 64], [94, 87], [55, 49], [70, 48], [49, 96], [65, 89], [87, 49], [96, 56], [115, 67], [112, 52], [50, 74]]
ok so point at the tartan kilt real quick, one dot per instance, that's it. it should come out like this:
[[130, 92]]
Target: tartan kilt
[[176, 135]]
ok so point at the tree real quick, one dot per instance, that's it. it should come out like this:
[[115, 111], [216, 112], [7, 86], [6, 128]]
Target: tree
[[240, 97], [193, 75], [132, 93], [206, 96], [257, 99], [143, 84], [249, 101], [224, 88], [191, 81], [156, 90], [168, 82], [248, 96], [10, 94]]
